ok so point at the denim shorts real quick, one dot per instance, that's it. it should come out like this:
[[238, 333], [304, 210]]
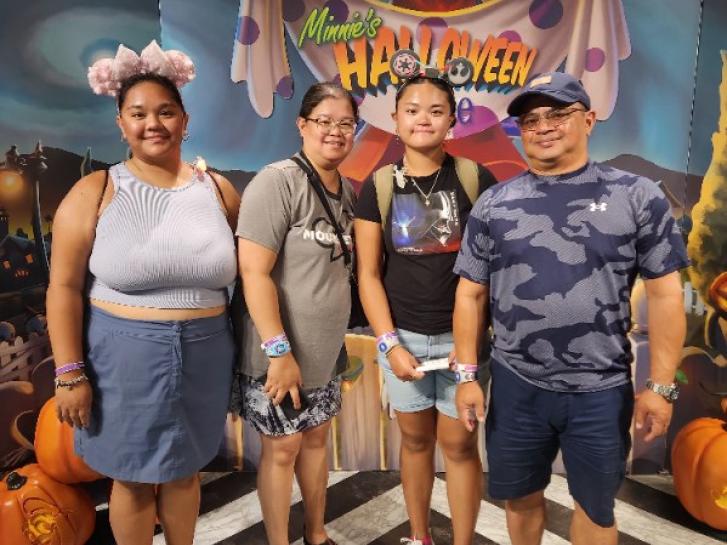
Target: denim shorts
[[160, 395], [526, 426], [437, 388]]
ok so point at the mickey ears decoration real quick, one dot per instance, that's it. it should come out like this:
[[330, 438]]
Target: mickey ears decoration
[[405, 64]]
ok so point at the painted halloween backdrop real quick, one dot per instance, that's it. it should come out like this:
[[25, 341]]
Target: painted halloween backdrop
[[655, 81]]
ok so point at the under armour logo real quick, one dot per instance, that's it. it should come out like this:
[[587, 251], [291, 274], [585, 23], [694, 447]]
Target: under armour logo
[[599, 206]]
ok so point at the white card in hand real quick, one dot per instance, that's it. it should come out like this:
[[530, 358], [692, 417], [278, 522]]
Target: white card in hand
[[434, 365]]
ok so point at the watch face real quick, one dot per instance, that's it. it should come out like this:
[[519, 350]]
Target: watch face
[[669, 392]]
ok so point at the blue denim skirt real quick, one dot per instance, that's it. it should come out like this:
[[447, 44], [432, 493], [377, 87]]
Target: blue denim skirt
[[160, 395]]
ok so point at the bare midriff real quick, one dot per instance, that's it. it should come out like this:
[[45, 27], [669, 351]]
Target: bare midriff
[[144, 313]]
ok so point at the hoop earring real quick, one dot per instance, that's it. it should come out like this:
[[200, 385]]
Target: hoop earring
[[185, 136]]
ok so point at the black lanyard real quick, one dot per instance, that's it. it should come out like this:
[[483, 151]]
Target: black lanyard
[[315, 180]]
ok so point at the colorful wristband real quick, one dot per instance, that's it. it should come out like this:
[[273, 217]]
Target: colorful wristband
[[386, 342], [68, 367], [277, 346], [460, 377], [466, 367], [272, 340]]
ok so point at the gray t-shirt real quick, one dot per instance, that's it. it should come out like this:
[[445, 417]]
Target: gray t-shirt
[[281, 211]]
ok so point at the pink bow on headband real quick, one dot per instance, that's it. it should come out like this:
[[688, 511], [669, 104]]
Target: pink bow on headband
[[105, 75]]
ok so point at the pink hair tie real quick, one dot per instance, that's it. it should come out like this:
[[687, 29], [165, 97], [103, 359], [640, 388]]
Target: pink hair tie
[[105, 75]]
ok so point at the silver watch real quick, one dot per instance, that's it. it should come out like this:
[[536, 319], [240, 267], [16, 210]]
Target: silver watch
[[670, 392]]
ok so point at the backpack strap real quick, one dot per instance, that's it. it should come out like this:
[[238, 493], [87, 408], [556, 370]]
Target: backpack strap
[[218, 190], [103, 192], [384, 184], [467, 171], [102, 195], [221, 199], [469, 176]]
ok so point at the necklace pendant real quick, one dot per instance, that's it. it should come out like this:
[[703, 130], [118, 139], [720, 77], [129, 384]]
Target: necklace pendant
[[426, 201], [399, 175]]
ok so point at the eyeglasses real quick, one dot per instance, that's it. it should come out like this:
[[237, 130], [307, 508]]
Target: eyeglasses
[[553, 118], [326, 125]]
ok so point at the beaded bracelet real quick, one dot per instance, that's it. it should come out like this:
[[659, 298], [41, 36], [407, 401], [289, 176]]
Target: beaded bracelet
[[70, 383], [68, 367]]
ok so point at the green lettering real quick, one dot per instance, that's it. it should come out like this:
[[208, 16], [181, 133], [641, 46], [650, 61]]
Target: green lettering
[[313, 26]]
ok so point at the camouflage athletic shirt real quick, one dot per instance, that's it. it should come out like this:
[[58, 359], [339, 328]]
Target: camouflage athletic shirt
[[560, 255]]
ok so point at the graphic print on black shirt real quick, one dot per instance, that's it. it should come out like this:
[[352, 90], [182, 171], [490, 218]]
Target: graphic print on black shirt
[[420, 286], [418, 229]]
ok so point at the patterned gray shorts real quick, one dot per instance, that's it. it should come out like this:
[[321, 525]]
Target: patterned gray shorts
[[323, 404]]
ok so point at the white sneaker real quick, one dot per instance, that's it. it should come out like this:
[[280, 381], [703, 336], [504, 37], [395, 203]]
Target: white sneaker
[[410, 541]]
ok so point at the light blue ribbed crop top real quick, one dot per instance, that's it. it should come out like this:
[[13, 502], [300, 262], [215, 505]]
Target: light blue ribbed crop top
[[162, 248]]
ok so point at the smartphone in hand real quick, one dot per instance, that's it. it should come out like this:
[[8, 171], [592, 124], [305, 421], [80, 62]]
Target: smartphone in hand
[[289, 410], [286, 405]]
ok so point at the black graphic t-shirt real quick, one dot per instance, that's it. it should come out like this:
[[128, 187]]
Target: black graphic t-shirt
[[421, 229], [421, 244]]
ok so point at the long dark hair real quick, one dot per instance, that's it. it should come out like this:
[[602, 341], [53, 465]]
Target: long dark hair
[[164, 81], [318, 92]]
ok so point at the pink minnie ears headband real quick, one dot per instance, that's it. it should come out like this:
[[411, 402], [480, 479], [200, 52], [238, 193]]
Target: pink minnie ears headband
[[406, 65], [105, 75]]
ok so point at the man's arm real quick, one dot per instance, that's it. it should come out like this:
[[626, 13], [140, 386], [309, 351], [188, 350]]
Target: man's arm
[[469, 321], [667, 331]]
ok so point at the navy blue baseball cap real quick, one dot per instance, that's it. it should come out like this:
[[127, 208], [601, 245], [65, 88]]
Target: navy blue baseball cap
[[559, 86]]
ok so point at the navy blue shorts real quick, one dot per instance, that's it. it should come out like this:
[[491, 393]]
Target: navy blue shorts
[[526, 426]]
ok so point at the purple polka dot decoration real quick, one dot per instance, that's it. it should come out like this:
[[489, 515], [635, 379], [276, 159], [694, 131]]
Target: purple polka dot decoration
[[465, 111], [338, 9], [293, 10], [285, 87], [437, 25], [511, 36], [546, 13], [595, 59], [479, 118], [247, 30]]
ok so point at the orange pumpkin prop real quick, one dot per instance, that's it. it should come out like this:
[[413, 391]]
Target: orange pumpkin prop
[[54, 449], [36, 510], [699, 464]]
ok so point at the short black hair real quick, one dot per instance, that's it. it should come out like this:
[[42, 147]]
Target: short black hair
[[164, 81], [318, 92], [439, 83]]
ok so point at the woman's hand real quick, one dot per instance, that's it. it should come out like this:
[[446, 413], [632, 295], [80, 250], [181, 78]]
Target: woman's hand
[[73, 404], [283, 378], [403, 364]]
